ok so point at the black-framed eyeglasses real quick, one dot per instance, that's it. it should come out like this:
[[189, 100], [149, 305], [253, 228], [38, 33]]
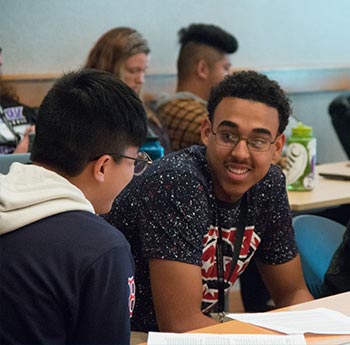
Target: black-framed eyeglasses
[[257, 142], [141, 162]]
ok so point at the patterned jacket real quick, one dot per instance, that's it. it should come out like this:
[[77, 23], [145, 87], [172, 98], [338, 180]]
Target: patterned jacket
[[183, 115]]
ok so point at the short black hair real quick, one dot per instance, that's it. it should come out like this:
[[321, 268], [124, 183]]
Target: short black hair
[[85, 114], [210, 35], [252, 86]]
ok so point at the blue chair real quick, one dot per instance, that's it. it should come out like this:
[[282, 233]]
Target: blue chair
[[317, 238], [7, 159]]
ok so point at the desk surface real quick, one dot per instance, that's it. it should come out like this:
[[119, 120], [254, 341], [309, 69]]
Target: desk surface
[[327, 192], [339, 303]]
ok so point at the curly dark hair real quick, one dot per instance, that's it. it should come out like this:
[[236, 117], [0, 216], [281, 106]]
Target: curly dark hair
[[210, 35], [253, 86]]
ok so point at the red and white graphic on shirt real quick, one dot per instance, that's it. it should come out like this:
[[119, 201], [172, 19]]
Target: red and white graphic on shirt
[[250, 243], [132, 291]]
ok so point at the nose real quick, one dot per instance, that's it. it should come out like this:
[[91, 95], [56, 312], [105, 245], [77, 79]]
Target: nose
[[241, 150], [140, 78]]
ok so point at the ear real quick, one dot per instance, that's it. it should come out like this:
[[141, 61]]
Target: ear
[[279, 144], [101, 168], [202, 69], [205, 131]]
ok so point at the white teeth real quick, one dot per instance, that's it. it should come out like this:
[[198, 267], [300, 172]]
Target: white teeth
[[238, 171]]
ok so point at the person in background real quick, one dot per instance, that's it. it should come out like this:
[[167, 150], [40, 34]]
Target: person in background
[[203, 62], [67, 276], [124, 52], [16, 120], [337, 277], [198, 216]]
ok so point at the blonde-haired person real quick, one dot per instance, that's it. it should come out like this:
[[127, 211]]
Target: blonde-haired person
[[124, 52]]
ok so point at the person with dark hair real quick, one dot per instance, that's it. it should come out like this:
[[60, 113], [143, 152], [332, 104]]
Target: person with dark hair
[[203, 62], [67, 276], [337, 277], [124, 52], [16, 120], [207, 211]]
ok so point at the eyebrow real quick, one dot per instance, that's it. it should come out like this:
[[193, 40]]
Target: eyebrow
[[235, 126]]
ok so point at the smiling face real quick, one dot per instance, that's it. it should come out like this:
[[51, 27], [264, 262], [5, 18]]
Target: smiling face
[[133, 71], [236, 170]]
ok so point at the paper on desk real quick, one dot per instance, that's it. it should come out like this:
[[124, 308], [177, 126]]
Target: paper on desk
[[158, 338], [319, 320]]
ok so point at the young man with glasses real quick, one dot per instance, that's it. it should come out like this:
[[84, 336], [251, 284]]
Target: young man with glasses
[[67, 276], [198, 216]]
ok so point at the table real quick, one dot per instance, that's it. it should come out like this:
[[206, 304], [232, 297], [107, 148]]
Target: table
[[327, 192], [340, 302]]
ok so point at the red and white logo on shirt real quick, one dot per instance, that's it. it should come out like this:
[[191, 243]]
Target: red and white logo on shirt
[[209, 268], [132, 291]]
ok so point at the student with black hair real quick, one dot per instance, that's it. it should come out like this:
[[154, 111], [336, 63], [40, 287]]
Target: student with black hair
[[203, 62], [198, 216], [67, 276]]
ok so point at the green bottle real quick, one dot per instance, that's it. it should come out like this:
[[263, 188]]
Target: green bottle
[[301, 159]]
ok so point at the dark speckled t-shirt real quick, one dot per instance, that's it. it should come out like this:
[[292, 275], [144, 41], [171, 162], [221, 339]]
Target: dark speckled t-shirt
[[170, 213]]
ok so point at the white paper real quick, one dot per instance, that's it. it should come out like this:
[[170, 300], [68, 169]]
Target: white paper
[[319, 321], [158, 338]]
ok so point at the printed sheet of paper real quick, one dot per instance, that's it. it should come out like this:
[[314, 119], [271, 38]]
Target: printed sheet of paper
[[318, 321], [158, 338]]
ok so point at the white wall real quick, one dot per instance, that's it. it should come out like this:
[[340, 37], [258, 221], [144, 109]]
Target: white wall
[[44, 36], [52, 36]]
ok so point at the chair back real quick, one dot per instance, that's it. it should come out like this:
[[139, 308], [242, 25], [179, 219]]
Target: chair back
[[7, 159], [317, 238]]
